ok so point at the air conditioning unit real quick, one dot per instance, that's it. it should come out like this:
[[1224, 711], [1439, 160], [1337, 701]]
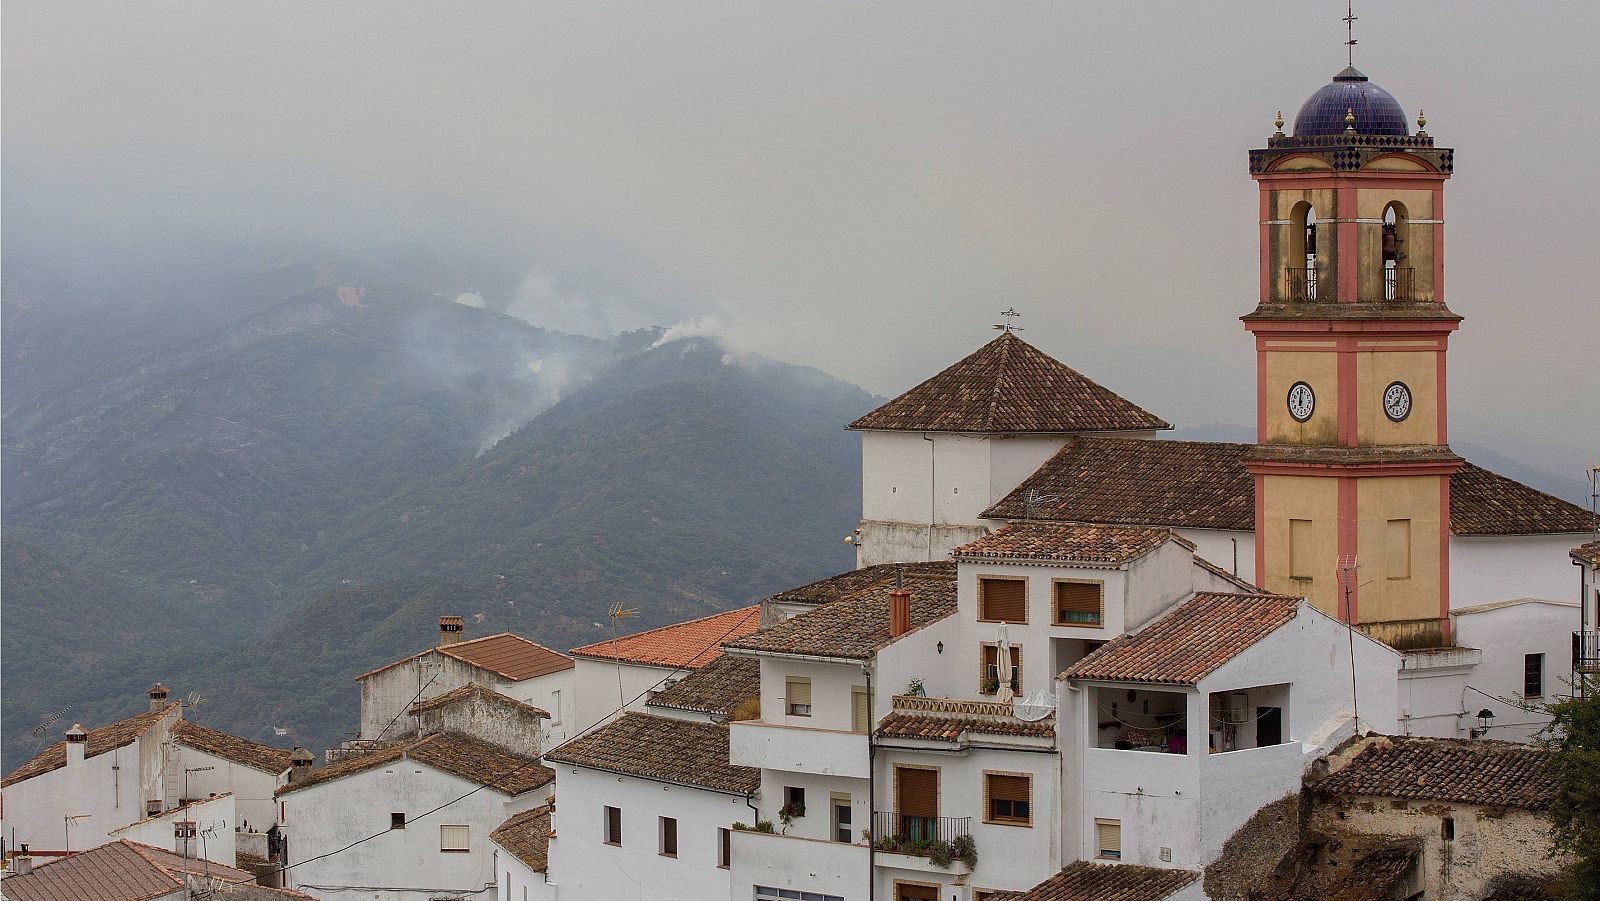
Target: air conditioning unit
[[1236, 708]]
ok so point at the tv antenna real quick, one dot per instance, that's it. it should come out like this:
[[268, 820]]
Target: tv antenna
[[1010, 325], [1031, 499], [617, 613], [194, 699], [1348, 567], [1350, 32], [42, 731]]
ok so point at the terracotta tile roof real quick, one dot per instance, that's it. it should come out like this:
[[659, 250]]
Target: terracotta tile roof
[[665, 749], [1485, 503], [1008, 385], [1448, 769], [848, 583], [1204, 485], [474, 690], [451, 752], [1103, 545], [688, 645], [1088, 881], [718, 687], [242, 751], [527, 837], [504, 654], [1587, 553], [122, 870], [1189, 642], [101, 740], [933, 727], [854, 627]]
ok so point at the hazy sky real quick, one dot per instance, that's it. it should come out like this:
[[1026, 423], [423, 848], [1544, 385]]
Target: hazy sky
[[859, 187]]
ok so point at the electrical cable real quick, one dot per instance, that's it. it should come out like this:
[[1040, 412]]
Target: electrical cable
[[503, 776]]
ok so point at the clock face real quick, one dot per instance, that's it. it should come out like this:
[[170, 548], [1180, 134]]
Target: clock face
[[1397, 401], [1301, 401]]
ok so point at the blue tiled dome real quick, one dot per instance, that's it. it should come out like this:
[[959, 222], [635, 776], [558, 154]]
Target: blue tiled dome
[[1377, 112]]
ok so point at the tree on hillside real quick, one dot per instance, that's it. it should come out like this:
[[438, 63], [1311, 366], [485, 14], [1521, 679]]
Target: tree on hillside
[[1575, 815]]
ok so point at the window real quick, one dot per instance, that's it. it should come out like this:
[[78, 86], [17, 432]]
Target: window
[[860, 710], [1397, 547], [455, 839], [1447, 829], [915, 891], [397, 821], [794, 800], [1533, 676], [841, 816], [669, 836], [1002, 600], [1108, 839], [768, 893], [1008, 799], [724, 848], [613, 825], [799, 696], [989, 678], [1300, 553], [555, 707], [1079, 603]]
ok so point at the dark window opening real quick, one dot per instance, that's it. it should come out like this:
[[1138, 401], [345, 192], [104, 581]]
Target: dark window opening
[[397, 821]]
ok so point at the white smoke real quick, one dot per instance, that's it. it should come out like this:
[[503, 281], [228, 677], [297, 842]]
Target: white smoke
[[542, 301], [475, 301], [736, 342]]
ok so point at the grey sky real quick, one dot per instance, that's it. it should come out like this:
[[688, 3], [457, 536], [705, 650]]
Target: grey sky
[[859, 187]]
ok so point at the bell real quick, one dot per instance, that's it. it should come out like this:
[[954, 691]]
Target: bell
[[1391, 242], [1311, 240]]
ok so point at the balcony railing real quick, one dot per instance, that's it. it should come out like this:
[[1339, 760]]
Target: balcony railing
[[1397, 283], [1586, 652], [1300, 284], [891, 831]]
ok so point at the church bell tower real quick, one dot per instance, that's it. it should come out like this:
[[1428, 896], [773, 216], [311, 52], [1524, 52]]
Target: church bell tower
[[1352, 464]]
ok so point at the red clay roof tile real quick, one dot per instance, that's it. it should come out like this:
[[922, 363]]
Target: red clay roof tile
[[1189, 642], [687, 645]]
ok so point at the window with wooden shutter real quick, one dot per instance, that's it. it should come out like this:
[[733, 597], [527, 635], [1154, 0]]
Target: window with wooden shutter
[[455, 839], [724, 847], [1002, 600], [669, 837], [860, 711], [1080, 603], [1108, 839], [989, 674], [613, 825], [916, 792], [798, 691], [1008, 799]]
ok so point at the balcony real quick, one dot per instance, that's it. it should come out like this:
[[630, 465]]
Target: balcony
[[797, 749], [927, 844], [791, 863], [1300, 284], [1586, 652], [1397, 283]]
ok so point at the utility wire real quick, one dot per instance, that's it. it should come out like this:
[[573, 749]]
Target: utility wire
[[503, 776]]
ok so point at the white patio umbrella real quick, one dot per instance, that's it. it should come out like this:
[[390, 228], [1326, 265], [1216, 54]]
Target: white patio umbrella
[[1002, 665]]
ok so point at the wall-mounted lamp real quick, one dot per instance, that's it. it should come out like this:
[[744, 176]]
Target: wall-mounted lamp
[[1485, 720], [940, 646]]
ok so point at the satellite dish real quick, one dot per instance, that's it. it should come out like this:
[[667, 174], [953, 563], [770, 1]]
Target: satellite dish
[[1034, 706]]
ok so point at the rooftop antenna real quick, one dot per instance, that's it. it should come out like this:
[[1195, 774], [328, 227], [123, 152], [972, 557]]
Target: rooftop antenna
[[1010, 325], [1350, 32], [1348, 567], [1031, 499], [194, 700], [616, 612]]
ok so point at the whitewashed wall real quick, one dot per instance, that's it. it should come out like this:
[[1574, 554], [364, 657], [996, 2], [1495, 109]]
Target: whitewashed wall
[[595, 684], [215, 819], [1506, 635], [1484, 569], [400, 864], [1219, 546], [554, 693], [517, 882], [109, 788], [251, 788], [387, 696], [585, 868]]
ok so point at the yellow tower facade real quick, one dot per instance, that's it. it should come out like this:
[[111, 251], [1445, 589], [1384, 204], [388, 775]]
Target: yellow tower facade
[[1352, 464]]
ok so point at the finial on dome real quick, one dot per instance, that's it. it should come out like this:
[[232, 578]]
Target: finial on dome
[[1279, 123], [1422, 121], [1350, 120]]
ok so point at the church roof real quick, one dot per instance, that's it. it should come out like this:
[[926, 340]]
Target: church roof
[[1009, 386], [1375, 110], [1204, 485]]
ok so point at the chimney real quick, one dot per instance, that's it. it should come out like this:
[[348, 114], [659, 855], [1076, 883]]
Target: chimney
[[300, 761], [449, 630], [21, 862], [899, 612], [158, 696], [77, 741]]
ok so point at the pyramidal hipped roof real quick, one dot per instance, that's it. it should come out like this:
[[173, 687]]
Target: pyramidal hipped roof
[[1010, 386]]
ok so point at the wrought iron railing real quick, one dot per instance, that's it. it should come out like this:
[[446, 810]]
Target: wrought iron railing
[[903, 829], [1300, 284], [1586, 652], [1397, 283]]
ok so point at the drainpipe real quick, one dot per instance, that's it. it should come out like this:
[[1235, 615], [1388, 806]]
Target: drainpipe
[[933, 492], [872, 782]]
